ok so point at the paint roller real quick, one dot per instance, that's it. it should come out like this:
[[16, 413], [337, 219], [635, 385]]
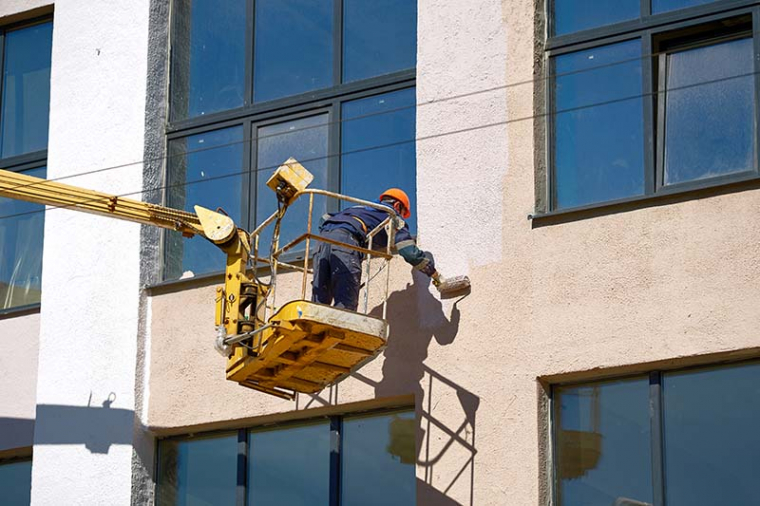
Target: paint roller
[[451, 287]]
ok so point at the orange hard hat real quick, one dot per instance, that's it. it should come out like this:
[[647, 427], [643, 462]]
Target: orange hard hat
[[401, 196]]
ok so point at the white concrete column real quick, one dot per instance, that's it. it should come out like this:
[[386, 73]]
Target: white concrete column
[[89, 317]]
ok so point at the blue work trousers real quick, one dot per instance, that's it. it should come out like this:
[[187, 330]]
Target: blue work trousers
[[337, 271]]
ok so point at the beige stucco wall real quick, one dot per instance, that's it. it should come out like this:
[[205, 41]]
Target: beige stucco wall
[[19, 346], [573, 300]]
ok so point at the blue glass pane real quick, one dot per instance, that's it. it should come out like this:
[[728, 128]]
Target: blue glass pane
[[669, 5], [290, 466], [21, 236], [378, 147], [379, 37], [16, 483], [306, 141], [378, 460], [575, 15], [602, 439], [711, 439], [599, 146], [208, 57], [206, 170], [710, 125], [294, 47], [197, 472], [26, 90]]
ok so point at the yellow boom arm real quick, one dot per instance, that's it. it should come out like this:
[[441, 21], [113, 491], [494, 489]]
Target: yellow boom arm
[[51, 193], [238, 293]]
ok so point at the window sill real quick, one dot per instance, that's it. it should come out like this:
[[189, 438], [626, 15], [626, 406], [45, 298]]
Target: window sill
[[214, 278], [14, 312], [696, 190]]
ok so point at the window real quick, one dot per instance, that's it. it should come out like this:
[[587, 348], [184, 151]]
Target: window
[[16, 482], [254, 82], [366, 459], [24, 103], [676, 438], [650, 98]]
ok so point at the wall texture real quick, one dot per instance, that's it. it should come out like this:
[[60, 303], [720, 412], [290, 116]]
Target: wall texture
[[19, 343], [670, 284], [85, 392]]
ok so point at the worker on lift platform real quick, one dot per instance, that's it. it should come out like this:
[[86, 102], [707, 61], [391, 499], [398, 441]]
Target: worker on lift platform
[[337, 270]]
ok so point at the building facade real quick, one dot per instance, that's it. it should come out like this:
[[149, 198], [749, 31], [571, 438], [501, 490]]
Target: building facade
[[591, 166]]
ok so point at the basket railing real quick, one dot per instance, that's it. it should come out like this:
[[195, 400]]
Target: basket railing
[[275, 262]]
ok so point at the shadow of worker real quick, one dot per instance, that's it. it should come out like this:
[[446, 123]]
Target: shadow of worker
[[416, 317]]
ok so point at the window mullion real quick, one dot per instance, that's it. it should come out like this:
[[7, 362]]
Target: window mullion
[[646, 9], [756, 77], [649, 103], [242, 468], [337, 42], [249, 47], [336, 443], [657, 439], [661, 97], [247, 215], [252, 165], [334, 153], [551, 117]]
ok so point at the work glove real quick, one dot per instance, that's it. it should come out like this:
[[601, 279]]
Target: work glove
[[429, 265]]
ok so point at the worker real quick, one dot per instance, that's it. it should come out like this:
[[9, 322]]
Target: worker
[[337, 269]]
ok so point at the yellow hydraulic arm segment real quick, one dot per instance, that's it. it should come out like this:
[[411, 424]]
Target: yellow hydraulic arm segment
[[299, 347]]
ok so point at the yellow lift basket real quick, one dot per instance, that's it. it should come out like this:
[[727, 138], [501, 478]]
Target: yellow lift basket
[[300, 346]]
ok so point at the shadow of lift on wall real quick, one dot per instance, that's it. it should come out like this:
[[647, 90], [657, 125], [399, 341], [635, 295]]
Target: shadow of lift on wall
[[417, 318], [96, 427]]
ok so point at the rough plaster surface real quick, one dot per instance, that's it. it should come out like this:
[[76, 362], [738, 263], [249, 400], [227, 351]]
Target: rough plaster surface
[[85, 390], [13, 8], [574, 300], [19, 344], [143, 457]]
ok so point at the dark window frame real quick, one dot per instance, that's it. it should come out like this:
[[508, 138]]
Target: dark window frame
[[26, 161], [243, 446], [657, 430], [252, 115], [650, 29]]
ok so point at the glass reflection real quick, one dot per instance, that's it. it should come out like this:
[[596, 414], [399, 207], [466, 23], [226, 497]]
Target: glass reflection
[[290, 466], [208, 57], [368, 168], [206, 170], [26, 90], [16, 483], [21, 239], [294, 47], [712, 444], [576, 15], [602, 441], [378, 460], [709, 128], [197, 472], [379, 37], [305, 140], [599, 146]]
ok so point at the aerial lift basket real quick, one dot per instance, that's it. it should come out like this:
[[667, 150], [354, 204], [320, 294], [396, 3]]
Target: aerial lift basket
[[298, 347], [301, 346]]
